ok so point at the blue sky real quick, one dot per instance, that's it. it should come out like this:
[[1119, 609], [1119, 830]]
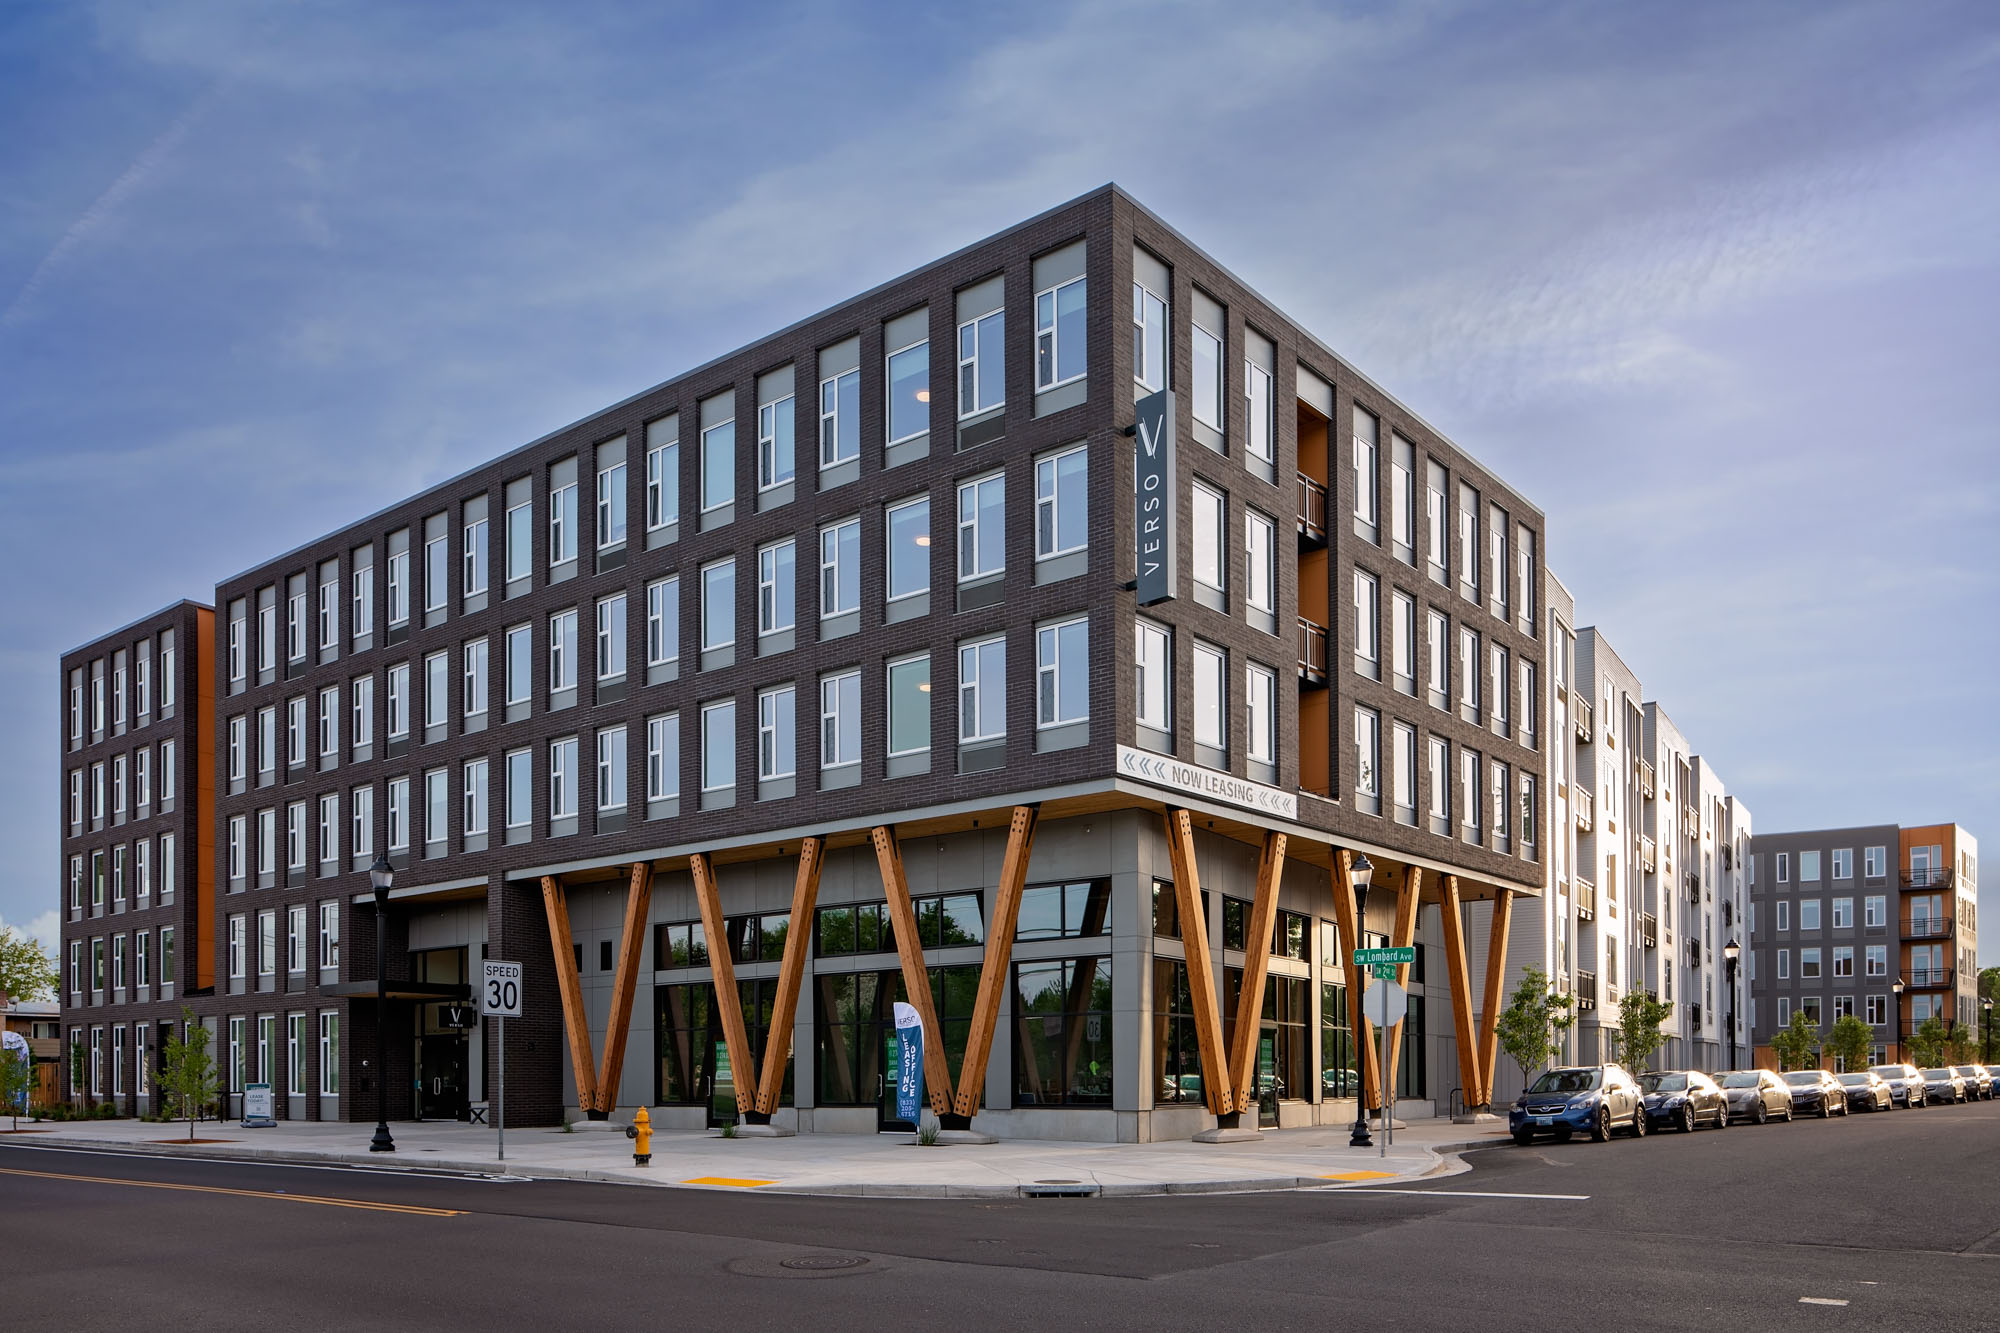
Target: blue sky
[[1716, 285]]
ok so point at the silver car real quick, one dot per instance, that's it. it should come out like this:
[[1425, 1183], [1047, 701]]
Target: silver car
[[1756, 1095], [1943, 1085], [1867, 1090], [1906, 1083], [1978, 1083]]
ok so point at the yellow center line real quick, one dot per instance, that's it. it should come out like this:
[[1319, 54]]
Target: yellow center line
[[735, 1181], [414, 1210]]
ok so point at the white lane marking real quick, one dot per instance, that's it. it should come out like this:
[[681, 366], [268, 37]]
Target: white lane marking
[[1456, 1194], [353, 1168], [1820, 1300]]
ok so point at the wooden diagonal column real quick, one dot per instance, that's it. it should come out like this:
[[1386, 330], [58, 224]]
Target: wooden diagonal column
[[1344, 915], [638, 900], [1402, 935], [575, 1021], [1002, 919], [910, 950], [1200, 968], [798, 944], [728, 1000], [1461, 989], [1496, 971], [1256, 963]]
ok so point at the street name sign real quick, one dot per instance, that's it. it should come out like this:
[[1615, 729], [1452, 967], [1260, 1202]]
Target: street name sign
[[1368, 957]]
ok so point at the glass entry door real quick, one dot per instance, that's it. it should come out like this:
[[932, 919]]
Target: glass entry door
[[441, 1071]]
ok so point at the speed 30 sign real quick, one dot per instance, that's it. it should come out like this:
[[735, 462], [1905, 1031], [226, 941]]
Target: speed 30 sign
[[500, 990]]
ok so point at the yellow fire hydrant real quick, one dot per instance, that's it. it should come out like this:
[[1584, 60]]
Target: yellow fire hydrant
[[641, 1133]]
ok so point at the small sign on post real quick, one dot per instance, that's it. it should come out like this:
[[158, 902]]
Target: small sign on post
[[500, 1000]]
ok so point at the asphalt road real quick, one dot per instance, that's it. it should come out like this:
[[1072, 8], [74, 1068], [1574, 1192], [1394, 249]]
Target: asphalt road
[[1897, 1214]]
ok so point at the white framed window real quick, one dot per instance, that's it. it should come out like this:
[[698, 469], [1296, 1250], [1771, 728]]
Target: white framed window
[[562, 514], [909, 387], [1875, 910], [840, 568], [399, 814], [1260, 546], [1060, 334], [1468, 543], [437, 689], [437, 810], [1062, 510], [718, 745], [718, 466], [1211, 696], [663, 473], [477, 561], [1403, 641], [776, 454], [1153, 663], [840, 720], [840, 418], [97, 784], [362, 695], [474, 655], [1809, 867], [1843, 863], [142, 869], [437, 589], [611, 768], [476, 779], [1470, 674], [1471, 804], [1149, 338], [239, 835], [1875, 862], [238, 727], [562, 651], [399, 578], [1403, 779], [777, 733], [1261, 405], [239, 947], [329, 606], [663, 621], [295, 1055], [267, 942], [611, 637], [1403, 499], [364, 595], [563, 778], [1784, 914], [1208, 387], [399, 700], [267, 634], [520, 520], [718, 604], [611, 503], [908, 534], [982, 690], [361, 822], [1210, 521], [1260, 696], [777, 591], [1784, 871], [982, 364], [295, 836], [1876, 960], [520, 788], [1062, 672], [663, 756], [982, 535], [329, 1053], [1503, 673], [909, 681], [1367, 478], [1367, 625], [1843, 913], [329, 827], [142, 683]]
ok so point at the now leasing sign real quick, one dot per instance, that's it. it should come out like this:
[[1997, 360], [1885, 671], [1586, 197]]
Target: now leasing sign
[[1158, 532], [1166, 771]]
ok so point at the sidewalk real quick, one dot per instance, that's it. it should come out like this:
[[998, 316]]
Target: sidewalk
[[885, 1165]]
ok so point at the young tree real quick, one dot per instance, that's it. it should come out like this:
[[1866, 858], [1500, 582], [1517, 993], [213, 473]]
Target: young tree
[[17, 1080], [1639, 1019], [1958, 1045], [1795, 1044], [27, 972], [1927, 1043], [187, 1071], [75, 1058], [1849, 1042], [1531, 1026]]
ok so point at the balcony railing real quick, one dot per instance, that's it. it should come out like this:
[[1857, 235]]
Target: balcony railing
[[1728, 912], [1649, 930], [1312, 512], [1580, 802], [1586, 990], [1935, 878], [1694, 885], [1930, 978], [1691, 820], [1646, 779], [1928, 927], [1694, 1018], [1312, 652], [1583, 719], [1694, 952], [1648, 859], [1586, 900], [1728, 857]]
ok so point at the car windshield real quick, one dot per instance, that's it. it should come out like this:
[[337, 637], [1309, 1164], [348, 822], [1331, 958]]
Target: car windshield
[[1800, 1078], [1742, 1078], [1663, 1082], [1937, 1073], [1970, 1071], [1566, 1080], [1854, 1080], [1889, 1071]]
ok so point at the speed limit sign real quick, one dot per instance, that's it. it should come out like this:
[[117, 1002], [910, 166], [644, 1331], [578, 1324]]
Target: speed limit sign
[[500, 991]]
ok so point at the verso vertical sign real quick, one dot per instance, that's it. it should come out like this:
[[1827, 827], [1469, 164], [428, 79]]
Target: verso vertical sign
[[1158, 529]]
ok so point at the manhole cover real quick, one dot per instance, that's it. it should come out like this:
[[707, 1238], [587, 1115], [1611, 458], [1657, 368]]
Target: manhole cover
[[820, 1263]]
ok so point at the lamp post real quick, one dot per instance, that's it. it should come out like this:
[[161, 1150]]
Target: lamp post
[[1361, 871], [1986, 1041], [1730, 953], [1896, 998], [382, 876]]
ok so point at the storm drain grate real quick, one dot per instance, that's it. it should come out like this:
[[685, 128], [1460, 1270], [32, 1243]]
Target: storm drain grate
[[1058, 1189], [821, 1263]]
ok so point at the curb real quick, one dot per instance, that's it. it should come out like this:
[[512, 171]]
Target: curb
[[844, 1189]]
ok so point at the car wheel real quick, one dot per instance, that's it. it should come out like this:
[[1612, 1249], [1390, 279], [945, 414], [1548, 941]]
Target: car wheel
[[1761, 1114], [1639, 1122], [1687, 1118], [1600, 1125], [1722, 1116], [1788, 1113], [1524, 1137], [1825, 1106]]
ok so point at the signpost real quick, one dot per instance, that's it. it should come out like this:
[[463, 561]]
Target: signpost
[[1384, 1003], [500, 1000]]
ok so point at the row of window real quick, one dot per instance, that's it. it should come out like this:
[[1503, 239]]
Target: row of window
[[1875, 1010], [1496, 805], [1874, 912], [123, 681], [236, 1067], [1875, 864], [1493, 689], [261, 949], [1875, 958], [100, 964], [109, 789], [112, 871]]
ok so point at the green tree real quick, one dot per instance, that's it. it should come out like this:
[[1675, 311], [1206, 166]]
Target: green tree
[[1531, 1026], [17, 1081], [26, 970], [1927, 1043], [1958, 1045], [1849, 1041], [187, 1071], [1796, 1044], [1639, 1019]]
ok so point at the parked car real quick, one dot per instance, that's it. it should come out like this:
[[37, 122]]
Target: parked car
[[1978, 1083], [1815, 1090], [1942, 1085], [1756, 1095], [1593, 1099], [1867, 1090], [1994, 1072], [1905, 1081], [1683, 1098]]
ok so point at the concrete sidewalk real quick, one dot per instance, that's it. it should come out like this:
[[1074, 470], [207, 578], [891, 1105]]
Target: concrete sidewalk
[[886, 1165]]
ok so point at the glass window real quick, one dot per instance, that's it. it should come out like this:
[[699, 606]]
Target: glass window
[[562, 517], [663, 473], [1061, 506], [840, 418], [663, 621], [520, 542], [1153, 659], [909, 533], [982, 535], [1367, 478], [982, 690], [718, 466], [1210, 508], [840, 568], [1262, 407], [476, 780], [718, 605], [475, 677], [777, 597], [663, 756], [1062, 666], [1367, 761], [982, 364], [718, 745], [1367, 625], [1208, 377], [611, 768], [520, 792], [775, 453], [520, 667], [562, 651], [1060, 334], [840, 720], [1808, 872], [1843, 864], [1404, 777], [1149, 338], [1064, 911], [910, 705], [777, 733], [1210, 696], [1261, 696], [1470, 802], [1063, 1054], [1260, 544], [909, 391], [611, 503]]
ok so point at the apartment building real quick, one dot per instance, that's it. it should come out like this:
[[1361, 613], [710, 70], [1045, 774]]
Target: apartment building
[[1052, 667], [1880, 921]]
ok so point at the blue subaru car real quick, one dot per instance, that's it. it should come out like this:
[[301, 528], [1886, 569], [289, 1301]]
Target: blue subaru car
[[1582, 1099]]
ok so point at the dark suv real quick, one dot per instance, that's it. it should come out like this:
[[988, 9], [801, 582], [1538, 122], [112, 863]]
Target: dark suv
[[1593, 1099]]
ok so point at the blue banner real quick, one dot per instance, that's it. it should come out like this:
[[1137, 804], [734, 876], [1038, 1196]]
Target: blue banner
[[909, 1063]]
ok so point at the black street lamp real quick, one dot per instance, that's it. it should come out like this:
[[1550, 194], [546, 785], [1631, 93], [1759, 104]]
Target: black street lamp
[[1361, 872], [1730, 953], [382, 875], [1896, 993], [1986, 1044]]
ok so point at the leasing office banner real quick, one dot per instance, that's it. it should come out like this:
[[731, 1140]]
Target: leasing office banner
[[909, 1063]]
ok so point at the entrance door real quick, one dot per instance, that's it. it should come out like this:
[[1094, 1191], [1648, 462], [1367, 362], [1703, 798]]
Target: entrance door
[[885, 1095], [441, 1091], [1267, 1076]]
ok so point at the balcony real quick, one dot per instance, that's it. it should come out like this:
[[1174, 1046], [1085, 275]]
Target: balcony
[[1694, 1018], [1583, 720], [1927, 927], [1586, 990], [1694, 952], [1728, 913], [1728, 857], [1933, 878], [1579, 801], [1646, 779], [1649, 930], [1694, 885], [1929, 978], [1691, 820], [1649, 861], [1312, 652], [1585, 894], [1312, 513]]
